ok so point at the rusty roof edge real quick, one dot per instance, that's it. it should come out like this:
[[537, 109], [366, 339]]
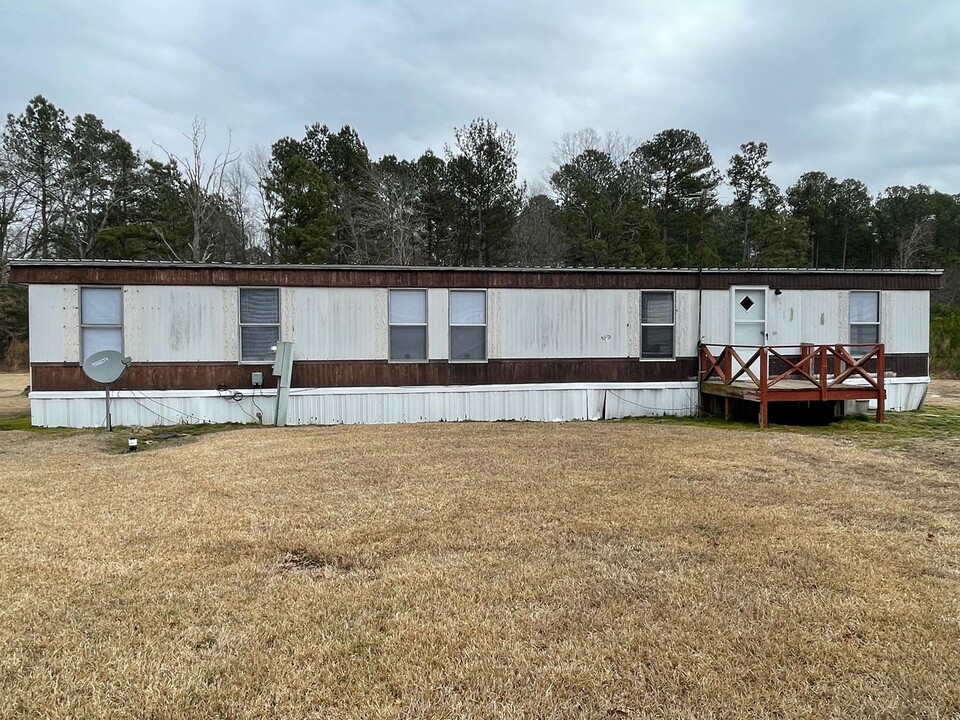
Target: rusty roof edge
[[455, 268]]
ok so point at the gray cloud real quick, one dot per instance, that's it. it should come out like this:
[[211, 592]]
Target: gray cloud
[[857, 89]]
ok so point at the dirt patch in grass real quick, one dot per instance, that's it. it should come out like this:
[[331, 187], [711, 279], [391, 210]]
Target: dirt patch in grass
[[164, 437], [301, 561], [478, 570]]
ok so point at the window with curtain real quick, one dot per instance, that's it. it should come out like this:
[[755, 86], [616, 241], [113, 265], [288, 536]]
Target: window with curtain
[[101, 320], [468, 325], [259, 323], [408, 325], [656, 325], [864, 317]]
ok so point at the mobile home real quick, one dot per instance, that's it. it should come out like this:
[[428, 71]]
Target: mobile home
[[407, 344]]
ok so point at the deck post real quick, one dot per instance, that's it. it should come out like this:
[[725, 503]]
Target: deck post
[[823, 372], [881, 387], [805, 349], [764, 419]]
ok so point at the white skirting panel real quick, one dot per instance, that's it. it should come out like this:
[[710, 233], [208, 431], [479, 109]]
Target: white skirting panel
[[148, 408], [903, 394], [545, 403], [330, 406]]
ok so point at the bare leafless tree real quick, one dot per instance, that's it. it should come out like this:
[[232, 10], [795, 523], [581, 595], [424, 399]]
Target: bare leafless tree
[[571, 145], [536, 237], [949, 293], [913, 243], [243, 204], [257, 162], [391, 219], [204, 186], [16, 216]]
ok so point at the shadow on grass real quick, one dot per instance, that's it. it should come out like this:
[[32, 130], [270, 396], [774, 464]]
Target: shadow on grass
[[148, 439], [917, 432]]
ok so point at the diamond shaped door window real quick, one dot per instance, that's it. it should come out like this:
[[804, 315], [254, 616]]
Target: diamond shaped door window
[[747, 303]]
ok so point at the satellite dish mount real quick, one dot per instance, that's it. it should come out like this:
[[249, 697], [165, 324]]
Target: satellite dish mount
[[105, 367]]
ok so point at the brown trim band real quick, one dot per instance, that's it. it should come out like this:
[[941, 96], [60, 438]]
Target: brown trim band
[[370, 373], [375, 373], [135, 274]]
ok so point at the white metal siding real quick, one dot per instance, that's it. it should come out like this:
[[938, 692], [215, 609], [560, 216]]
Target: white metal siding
[[905, 321], [54, 323], [288, 302], [716, 316], [438, 324], [685, 334], [633, 329], [823, 317], [784, 318], [183, 323], [561, 323], [135, 324], [200, 323], [231, 324], [338, 323]]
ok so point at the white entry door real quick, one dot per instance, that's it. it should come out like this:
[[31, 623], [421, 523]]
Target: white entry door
[[749, 315]]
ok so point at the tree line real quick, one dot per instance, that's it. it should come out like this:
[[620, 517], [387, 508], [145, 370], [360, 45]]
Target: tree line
[[72, 188]]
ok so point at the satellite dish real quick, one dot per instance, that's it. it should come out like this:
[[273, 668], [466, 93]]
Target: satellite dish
[[105, 366]]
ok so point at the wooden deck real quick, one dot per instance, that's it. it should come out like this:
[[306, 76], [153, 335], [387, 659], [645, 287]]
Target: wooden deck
[[818, 373]]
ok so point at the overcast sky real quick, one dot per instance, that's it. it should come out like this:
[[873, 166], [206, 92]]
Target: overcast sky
[[867, 89]]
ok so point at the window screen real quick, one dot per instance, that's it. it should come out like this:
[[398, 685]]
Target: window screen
[[468, 325], [408, 324], [864, 317], [259, 323], [101, 320], [656, 325]]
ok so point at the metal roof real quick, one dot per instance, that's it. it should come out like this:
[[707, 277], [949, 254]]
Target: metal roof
[[448, 268]]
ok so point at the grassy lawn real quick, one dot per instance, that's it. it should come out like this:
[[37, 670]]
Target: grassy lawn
[[598, 570], [13, 402]]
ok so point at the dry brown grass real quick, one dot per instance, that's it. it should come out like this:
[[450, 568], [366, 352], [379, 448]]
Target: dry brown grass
[[945, 393], [13, 402], [596, 570]]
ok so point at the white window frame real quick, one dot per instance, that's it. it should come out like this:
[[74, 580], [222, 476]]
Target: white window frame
[[451, 325], [873, 323], [84, 325], [425, 325], [241, 325], [672, 325]]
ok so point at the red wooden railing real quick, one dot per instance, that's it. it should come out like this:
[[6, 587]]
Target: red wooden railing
[[822, 367]]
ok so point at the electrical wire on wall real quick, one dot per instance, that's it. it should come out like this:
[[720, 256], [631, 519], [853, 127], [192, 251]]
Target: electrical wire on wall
[[231, 395], [165, 419], [168, 407], [657, 409], [225, 392], [253, 399]]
